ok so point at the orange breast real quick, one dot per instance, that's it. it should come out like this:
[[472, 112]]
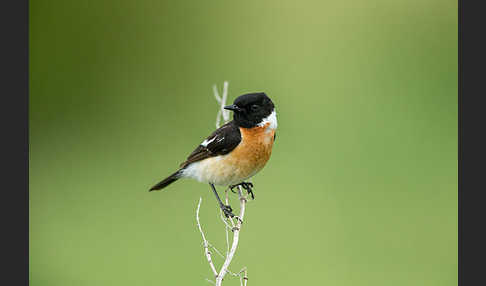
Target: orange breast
[[247, 159], [255, 147]]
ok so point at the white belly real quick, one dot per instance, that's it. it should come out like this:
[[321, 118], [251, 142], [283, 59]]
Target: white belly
[[218, 171]]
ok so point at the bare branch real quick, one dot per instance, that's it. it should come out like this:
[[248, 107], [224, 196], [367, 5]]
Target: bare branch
[[216, 93], [205, 242], [217, 251], [225, 114], [236, 236], [233, 224]]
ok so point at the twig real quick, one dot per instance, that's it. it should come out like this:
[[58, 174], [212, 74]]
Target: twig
[[235, 227], [205, 242], [236, 236], [227, 226], [225, 114], [217, 251], [244, 277]]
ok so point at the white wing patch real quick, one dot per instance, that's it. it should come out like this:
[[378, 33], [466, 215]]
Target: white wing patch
[[206, 142]]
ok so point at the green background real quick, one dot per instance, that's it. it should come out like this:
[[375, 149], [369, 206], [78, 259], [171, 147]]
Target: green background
[[361, 188]]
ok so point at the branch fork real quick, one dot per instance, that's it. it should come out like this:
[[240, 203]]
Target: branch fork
[[231, 224]]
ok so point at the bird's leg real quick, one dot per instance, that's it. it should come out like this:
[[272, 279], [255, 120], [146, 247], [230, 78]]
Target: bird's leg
[[248, 186], [227, 210], [232, 187]]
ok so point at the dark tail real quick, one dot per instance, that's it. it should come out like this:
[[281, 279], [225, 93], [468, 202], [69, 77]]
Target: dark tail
[[167, 181]]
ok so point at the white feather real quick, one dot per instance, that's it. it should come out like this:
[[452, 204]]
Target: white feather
[[206, 142], [272, 119]]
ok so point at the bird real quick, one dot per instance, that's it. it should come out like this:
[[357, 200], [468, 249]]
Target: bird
[[234, 152]]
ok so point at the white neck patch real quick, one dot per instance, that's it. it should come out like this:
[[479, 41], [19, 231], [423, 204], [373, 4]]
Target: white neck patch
[[272, 119]]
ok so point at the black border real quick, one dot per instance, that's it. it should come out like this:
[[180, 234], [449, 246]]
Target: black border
[[14, 120], [14, 200], [472, 143]]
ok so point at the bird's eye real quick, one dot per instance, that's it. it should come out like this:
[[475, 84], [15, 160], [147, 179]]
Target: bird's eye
[[254, 107]]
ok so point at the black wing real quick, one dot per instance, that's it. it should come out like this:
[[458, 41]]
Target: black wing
[[220, 142]]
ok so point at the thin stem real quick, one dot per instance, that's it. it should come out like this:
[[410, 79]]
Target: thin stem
[[236, 236], [205, 242], [235, 227]]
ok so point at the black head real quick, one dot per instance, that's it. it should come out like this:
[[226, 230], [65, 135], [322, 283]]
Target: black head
[[249, 109]]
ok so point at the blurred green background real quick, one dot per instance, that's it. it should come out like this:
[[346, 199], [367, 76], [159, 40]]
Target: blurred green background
[[361, 186]]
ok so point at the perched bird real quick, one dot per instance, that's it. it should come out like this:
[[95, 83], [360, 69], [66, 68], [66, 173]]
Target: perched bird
[[234, 152]]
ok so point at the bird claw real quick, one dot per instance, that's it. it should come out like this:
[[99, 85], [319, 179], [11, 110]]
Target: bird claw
[[227, 210], [239, 219], [248, 186]]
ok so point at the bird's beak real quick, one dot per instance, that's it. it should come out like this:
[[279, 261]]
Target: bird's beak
[[233, 107]]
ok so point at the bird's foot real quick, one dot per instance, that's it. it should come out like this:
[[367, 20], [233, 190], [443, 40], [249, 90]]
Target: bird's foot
[[248, 186], [239, 219], [227, 210]]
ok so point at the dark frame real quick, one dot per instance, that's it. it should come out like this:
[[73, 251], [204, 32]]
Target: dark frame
[[14, 115]]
